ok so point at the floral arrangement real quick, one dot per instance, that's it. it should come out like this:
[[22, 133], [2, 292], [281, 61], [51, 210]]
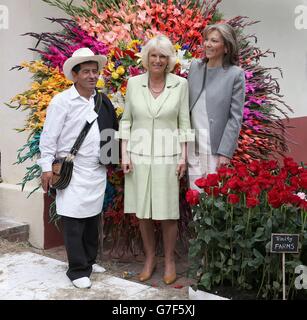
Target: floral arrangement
[[234, 217], [118, 29]]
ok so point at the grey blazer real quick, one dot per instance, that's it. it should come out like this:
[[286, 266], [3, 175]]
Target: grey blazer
[[225, 96]]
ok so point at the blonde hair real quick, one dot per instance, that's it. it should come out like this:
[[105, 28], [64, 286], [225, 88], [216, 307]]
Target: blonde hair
[[230, 42], [165, 46]]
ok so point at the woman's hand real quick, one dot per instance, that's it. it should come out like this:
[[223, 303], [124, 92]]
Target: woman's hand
[[181, 168], [222, 161], [126, 165]]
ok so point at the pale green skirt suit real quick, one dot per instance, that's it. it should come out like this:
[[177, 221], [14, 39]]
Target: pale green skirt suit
[[155, 128]]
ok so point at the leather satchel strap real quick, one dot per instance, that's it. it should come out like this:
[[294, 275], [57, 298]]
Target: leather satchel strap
[[74, 150]]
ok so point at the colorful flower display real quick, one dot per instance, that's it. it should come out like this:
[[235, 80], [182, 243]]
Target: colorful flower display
[[118, 29]]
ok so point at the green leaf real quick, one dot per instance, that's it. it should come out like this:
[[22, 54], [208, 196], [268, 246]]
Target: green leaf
[[194, 249], [259, 232], [206, 280], [230, 262], [238, 227], [208, 221], [257, 254]]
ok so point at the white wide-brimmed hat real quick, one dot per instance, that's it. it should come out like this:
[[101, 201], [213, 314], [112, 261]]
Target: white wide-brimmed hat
[[80, 56]]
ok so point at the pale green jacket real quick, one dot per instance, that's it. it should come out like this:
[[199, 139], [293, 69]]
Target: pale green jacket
[[156, 127]]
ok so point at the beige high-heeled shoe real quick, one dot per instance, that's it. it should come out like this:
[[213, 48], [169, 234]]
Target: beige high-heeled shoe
[[144, 276], [169, 279]]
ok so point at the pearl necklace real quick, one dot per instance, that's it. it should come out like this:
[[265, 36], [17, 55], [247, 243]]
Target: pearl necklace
[[152, 90]]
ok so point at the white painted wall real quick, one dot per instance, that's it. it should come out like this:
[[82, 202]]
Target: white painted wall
[[24, 16], [277, 32]]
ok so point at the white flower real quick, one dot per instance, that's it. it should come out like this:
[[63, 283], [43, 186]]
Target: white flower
[[184, 62], [302, 195]]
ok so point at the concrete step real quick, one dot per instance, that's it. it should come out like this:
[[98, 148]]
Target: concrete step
[[13, 231]]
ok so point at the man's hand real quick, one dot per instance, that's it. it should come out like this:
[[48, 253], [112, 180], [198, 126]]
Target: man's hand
[[46, 180]]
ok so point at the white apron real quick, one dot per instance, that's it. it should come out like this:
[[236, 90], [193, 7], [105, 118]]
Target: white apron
[[84, 195]]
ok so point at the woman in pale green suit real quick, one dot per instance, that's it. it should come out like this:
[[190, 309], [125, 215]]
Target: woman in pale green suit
[[154, 130]]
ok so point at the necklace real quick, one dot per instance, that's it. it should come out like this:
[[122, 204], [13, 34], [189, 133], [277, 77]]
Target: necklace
[[154, 91]]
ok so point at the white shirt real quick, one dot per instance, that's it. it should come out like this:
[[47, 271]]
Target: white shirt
[[67, 114], [199, 121]]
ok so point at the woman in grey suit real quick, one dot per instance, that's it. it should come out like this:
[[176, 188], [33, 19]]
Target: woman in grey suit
[[216, 97], [154, 130]]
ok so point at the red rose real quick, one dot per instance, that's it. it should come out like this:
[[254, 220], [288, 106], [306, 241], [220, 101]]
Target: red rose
[[254, 166], [234, 183], [294, 181], [252, 202], [254, 190], [213, 180], [201, 183], [222, 171], [224, 190], [270, 165], [294, 199], [242, 171], [192, 197], [303, 181], [274, 199], [233, 198]]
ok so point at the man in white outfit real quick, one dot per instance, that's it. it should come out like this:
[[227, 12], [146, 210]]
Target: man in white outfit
[[79, 204]]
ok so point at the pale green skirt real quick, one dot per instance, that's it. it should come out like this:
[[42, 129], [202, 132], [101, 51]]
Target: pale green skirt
[[152, 189]]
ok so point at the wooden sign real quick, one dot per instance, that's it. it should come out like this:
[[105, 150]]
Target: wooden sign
[[284, 243]]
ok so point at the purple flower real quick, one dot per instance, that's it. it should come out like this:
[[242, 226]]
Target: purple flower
[[248, 74], [249, 88]]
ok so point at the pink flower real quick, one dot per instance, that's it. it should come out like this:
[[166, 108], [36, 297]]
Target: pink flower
[[133, 71]]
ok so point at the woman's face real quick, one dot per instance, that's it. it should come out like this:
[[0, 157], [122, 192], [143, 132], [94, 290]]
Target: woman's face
[[157, 62], [214, 45]]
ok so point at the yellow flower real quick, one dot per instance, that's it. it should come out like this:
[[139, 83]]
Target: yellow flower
[[119, 111], [120, 70], [23, 100], [115, 75], [132, 44], [177, 46], [111, 66], [100, 83]]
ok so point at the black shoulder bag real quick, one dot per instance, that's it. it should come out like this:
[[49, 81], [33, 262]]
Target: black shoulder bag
[[62, 168]]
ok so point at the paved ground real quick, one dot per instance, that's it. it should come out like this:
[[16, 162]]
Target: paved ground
[[29, 273]]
